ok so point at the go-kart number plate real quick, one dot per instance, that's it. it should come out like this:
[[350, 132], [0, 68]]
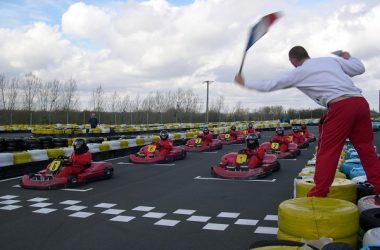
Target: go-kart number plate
[[198, 141], [275, 145], [54, 165], [151, 148], [227, 136], [290, 138], [241, 158]]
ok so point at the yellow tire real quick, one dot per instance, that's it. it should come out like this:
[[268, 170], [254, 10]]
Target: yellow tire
[[313, 217], [310, 171], [351, 239], [342, 189]]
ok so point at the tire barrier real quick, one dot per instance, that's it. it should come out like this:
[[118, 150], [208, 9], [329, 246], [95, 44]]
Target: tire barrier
[[312, 218], [21, 158], [310, 171], [367, 202], [39, 155], [55, 152], [60, 142], [280, 245], [372, 237], [46, 141], [356, 172], [348, 165], [369, 219], [338, 246], [2, 145], [13, 144], [342, 189], [364, 189], [6, 159], [31, 143]]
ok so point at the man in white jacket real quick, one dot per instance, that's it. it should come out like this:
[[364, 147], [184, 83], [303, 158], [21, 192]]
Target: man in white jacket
[[328, 82]]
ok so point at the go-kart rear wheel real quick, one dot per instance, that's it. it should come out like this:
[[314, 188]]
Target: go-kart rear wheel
[[72, 180], [184, 153], [108, 172]]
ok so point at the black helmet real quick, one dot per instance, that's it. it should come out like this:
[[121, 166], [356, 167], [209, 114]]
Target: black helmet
[[250, 125], [252, 141], [296, 129], [164, 135], [233, 127], [303, 126], [206, 131], [80, 146], [280, 131]]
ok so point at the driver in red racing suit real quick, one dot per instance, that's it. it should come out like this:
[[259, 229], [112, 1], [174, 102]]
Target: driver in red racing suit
[[305, 131], [233, 133], [254, 152], [251, 129], [78, 161], [164, 144], [282, 139], [206, 137], [298, 138]]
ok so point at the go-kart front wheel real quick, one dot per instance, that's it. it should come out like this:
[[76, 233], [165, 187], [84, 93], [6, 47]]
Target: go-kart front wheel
[[108, 173], [72, 180]]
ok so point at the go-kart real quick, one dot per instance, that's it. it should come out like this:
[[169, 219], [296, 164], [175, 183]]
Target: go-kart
[[226, 139], [196, 145], [148, 154], [47, 178], [237, 167], [300, 145], [273, 148]]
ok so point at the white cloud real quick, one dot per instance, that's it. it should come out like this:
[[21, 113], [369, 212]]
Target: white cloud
[[138, 47]]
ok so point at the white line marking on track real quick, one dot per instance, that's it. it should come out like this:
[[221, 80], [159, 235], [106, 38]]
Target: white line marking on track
[[246, 222], [164, 164], [271, 217], [266, 230], [219, 179], [215, 226], [212, 152], [124, 163], [11, 179], [287, 159], [77, 190]]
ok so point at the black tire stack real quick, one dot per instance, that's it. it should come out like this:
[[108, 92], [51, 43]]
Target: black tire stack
[[60, 142], [31, 143], [13, 144], [46, 142], [2, 145]]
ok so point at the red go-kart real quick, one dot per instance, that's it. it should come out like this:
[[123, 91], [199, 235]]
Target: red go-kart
[[147, 154], [273, 148], [196, 145], [226, 139], [300, 145], [47, 179], [237, 167]]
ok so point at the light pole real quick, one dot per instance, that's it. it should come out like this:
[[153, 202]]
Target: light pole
[[208, 83]]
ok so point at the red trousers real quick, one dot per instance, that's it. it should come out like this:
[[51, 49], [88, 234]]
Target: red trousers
[[348, 118]]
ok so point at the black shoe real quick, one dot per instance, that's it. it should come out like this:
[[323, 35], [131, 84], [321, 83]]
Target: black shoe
[[377, 198]]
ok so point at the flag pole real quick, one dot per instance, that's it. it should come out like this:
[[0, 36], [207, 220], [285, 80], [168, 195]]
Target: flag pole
[[242, 62]]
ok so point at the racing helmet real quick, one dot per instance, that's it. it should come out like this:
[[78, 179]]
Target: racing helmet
[[252, 141], [233, 127], [280, 131], [296, 129], [80, 146], [164, 135], [303, 126], [250, 125], [206, 131]]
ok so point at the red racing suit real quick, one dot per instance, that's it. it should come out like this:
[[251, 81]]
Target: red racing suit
[[251, 131], [163, 147], [298, 138], [77, 163], [255, 156], [283, 140], [305, 132], [206, 139], [233, 134]]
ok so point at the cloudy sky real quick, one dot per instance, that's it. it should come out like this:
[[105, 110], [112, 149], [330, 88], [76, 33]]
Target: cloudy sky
[[137, 46]]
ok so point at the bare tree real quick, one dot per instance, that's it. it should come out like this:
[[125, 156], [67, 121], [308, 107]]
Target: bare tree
[[69, 99], [29, 90], [3, 87], [114, 104], [218, 106], [53, 96], [97, 100]]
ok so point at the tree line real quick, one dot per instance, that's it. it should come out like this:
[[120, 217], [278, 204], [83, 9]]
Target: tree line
[[30, 100]]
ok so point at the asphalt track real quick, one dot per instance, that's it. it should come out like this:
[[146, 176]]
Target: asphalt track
[[173, 206]]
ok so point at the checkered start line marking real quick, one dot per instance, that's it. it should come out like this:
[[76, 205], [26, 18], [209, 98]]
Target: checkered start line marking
[[9, 203]]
